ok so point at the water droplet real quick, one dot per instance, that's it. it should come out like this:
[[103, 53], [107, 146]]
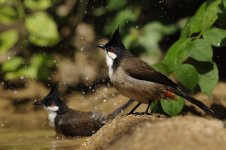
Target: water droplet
[[8, 57], [83, 92], [93, 115], [137, 27], [81, 37], [15, 92], [81, 49], [105, 100], [22, 77], [218, 44]]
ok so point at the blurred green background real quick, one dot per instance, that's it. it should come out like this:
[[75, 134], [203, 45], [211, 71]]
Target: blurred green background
[[48, 41]]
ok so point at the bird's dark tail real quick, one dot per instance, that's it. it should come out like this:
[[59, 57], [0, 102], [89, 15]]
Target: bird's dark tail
[[196, 102], [119, 110]]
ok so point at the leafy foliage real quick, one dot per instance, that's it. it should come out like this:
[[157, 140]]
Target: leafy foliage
[[38, 28], [37, 68], [196, 41]]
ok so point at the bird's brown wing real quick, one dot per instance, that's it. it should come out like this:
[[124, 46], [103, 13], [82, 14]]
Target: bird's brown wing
[[139, 69]]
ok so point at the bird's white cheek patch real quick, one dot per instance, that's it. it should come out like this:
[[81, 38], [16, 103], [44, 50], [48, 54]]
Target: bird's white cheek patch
[[52, 108], [112, 55]]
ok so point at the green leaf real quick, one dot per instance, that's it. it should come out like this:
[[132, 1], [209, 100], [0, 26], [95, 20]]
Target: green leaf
[[38, 4], [156, 107], [177, 54], [43, 29], [7, 40], [121, 18], [116, 4], [8, 15], [187, 75], [208, 80], [131, 38], [201, 50], [161, 67], [172, 107], [2, 1], [12, 64], [41, 64], [152, 33], [204, 18], [215, 36], [224, 3]]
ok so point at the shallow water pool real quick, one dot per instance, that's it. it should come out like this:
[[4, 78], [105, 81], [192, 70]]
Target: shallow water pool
[[21, 139]]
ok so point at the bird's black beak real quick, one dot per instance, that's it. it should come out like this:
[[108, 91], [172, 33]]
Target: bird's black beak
[[38, 103], [101, 46]]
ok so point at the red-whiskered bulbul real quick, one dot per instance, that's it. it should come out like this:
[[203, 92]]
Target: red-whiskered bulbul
[[71, 122], [135, 79]]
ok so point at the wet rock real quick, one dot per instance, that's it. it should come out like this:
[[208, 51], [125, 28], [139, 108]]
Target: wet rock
[[151, 132]]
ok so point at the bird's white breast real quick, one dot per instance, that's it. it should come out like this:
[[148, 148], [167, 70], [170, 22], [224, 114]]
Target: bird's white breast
[[52, 113], [109, 62]]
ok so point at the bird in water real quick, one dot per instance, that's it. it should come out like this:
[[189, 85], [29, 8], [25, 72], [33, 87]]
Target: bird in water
[[72, 122], [134, 78]]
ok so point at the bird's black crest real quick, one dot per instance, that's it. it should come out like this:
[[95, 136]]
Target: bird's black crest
[[53, 91], [115, 40]]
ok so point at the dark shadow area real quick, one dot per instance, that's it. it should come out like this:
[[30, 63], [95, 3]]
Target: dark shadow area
[[190, 109], [219, 111]]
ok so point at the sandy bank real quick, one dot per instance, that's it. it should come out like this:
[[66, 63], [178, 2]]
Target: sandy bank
[[155, 132]]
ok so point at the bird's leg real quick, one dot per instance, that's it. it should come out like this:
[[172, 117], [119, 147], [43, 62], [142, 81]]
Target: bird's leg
[[149, 104], [131, 112]]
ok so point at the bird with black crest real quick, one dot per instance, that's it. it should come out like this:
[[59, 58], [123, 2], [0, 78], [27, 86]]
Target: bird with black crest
[[71, 122], [134, 78]]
